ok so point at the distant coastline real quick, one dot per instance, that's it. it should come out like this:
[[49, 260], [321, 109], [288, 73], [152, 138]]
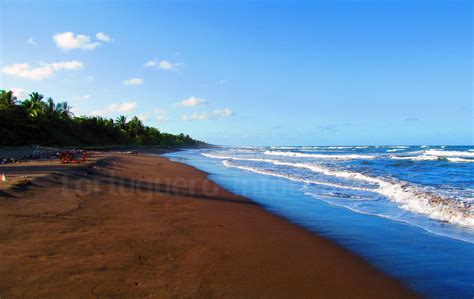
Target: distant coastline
[[49, 123]]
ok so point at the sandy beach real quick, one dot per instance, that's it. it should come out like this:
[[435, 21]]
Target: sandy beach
[[130, 226]]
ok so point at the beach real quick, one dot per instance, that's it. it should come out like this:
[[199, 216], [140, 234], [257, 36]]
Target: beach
[[130, 226]]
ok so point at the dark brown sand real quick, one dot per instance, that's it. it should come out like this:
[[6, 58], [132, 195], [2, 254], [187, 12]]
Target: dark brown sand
[[132, 226]]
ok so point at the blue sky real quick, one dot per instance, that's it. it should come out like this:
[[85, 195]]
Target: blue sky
[[253, 72]]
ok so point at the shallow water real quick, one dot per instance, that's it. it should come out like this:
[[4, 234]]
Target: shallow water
[[407, 210]]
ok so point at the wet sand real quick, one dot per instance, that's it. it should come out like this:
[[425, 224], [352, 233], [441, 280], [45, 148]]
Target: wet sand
[[131, 226]]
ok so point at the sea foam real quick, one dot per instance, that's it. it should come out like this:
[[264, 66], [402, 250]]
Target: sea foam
[[318, 156], [408, 196]]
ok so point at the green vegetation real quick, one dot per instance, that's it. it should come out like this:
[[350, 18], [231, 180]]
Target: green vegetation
[[35, 121]]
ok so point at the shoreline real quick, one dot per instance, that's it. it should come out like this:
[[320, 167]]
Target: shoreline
[[145, 226]]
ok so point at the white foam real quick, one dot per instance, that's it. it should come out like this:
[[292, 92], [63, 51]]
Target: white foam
[[318, 156], [433, 152], [462, 160], [329, 200], [412, 198], [433, 155], [415, 158], [409, 197], [227, 163]]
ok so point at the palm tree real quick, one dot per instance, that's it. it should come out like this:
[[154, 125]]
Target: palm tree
[[135, 127], [7, 100], [63, 110], [34, 104], [121, 122], [50, 107]]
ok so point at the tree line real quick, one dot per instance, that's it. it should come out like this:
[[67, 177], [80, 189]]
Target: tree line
[[45, 122]]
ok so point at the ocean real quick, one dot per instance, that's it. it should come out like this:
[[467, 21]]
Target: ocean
[[408, 210]]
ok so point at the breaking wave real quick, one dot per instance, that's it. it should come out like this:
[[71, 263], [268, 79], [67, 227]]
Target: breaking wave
[[438, 155], [408, 196], [318, 156]]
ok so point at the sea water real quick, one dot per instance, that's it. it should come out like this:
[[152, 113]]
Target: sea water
[[408, 210]]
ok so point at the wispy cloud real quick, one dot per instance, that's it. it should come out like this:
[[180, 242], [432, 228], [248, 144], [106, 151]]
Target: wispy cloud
[[104, 37], [223, 112], [160, 115], [82, 98], [163, 64], [143, 117], [133, 81], [191, 102], [69, 41], [411, 119], [46, 70], [114, 109], [31, 41], [218, 113]]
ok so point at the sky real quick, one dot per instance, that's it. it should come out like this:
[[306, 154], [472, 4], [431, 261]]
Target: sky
[[253, 72]]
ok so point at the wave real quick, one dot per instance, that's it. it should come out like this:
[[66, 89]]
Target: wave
[[433, 152], [459, 160], [318, 156], [339, 147], [227, 163], [400, 146], [439, 155], [397, 218], [409, 197], [236, 158], [432, 158]]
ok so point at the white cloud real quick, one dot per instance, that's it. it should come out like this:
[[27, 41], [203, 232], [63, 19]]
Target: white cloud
[[150, 63], [104, 37], [116, 109], [19, 93], [82, 98], [223, 81], [161, 118], [46, 70], [191, 102], [163, 64], [31, 41], [223, 112], [197, 116], [68, 41], [67, 65], [218, 113], [160, 115], [133, 81], [143, 117]]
